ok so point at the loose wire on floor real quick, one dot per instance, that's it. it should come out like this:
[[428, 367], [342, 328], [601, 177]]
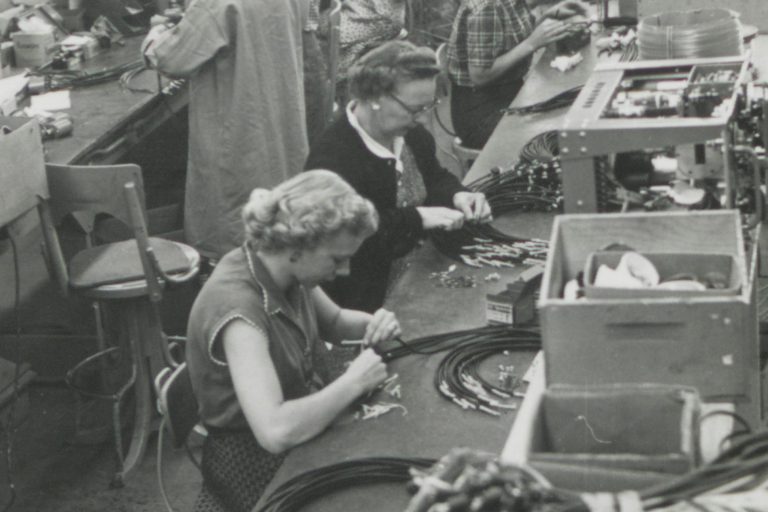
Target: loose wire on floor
[[307, 487]]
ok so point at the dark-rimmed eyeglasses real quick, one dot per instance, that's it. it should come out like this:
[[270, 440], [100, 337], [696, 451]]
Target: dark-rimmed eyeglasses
[[416, 111]]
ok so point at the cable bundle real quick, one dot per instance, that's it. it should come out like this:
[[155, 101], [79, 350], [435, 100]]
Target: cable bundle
[[466, 480], [541, 148], [435, 343], [309, 486], [738, 475], [560, 100], [533, 184], [690, 34], [458, 377], [60, 79]]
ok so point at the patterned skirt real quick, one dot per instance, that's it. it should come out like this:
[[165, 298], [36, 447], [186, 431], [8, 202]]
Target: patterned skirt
[[236, 470]]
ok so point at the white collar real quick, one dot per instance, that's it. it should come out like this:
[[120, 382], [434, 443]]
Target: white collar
[[374, 146]]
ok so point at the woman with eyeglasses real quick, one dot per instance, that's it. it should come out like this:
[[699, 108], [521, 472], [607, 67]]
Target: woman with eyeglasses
[[381, 148]]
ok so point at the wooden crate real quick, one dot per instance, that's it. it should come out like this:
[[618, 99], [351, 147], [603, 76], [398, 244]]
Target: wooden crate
[[709, 343], [607, 438]]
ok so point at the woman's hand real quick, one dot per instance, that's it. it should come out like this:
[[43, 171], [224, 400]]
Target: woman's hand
[[438, 217], [367, 371], [547, 31], [566, 9], [382, 327], [473, 205]]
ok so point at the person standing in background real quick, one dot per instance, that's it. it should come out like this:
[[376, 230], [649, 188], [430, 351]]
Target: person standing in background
[[247, 126], [489, 53]]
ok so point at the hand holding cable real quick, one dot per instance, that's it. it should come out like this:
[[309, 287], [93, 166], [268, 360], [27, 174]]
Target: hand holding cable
[[367, 371], [382, 327], [474, 206], [439, 217]]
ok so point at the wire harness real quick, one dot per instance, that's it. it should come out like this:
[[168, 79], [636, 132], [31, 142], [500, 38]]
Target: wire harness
[[311, 485], [459, 377]]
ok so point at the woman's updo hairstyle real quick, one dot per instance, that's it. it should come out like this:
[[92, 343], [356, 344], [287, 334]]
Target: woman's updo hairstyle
[[379, 71], [303, 211]]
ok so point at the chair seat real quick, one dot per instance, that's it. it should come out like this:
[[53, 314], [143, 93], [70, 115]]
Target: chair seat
[[117, 266]]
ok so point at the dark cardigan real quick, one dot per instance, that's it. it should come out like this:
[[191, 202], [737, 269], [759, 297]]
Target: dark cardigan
[[340, 149]]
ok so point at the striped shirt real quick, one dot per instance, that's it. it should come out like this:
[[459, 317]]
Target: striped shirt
[[482, 31]]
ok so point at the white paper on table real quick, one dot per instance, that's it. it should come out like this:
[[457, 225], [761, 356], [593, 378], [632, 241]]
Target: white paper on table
[[51, 101]]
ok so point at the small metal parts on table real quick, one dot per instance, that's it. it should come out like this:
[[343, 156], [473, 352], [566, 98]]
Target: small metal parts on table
[[449, 279], [378, 409]]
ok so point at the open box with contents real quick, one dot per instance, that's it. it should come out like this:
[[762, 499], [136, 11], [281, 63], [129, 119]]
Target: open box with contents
[[708, 342], [616, 402]]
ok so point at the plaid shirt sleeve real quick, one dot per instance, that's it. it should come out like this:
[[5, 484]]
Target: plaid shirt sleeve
[[485, 35]]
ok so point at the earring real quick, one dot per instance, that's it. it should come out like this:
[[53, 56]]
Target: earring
[[375, 106]]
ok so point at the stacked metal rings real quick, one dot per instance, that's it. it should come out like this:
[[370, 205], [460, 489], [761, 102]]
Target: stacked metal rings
[[690, 34]]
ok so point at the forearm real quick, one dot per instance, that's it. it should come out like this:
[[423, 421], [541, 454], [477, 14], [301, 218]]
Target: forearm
[[299, 420], [350, 325], [502, 64]]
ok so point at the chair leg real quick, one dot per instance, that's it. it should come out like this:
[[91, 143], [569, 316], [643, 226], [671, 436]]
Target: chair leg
[[143, 406]]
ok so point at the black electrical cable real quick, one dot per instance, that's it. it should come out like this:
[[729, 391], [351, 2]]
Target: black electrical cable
[[533, 184], [458, 377], [560, 100], [60, 79], [435, 343], [740, 468], [311, 485]]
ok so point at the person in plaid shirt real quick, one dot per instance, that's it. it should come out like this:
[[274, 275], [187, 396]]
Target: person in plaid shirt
[[489, 53]]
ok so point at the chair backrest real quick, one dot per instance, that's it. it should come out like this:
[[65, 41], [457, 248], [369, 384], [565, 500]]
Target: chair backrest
[[84, 191], [334, 37], [22, 178], [177, 403]]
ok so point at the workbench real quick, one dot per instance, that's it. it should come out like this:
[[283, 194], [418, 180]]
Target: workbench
[[434, 425], [110, 119]]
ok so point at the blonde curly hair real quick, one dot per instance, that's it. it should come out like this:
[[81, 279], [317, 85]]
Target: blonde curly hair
[[305, 210]]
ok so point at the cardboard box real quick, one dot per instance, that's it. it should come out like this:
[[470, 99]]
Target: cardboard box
[[608, 438], [709, 343], [33, 49]]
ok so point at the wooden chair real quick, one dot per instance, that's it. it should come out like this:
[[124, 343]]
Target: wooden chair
[[334, 36], [128, 276]]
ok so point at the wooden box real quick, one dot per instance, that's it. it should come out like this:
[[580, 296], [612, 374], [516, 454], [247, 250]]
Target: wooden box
[[607, 438], [709, 343]]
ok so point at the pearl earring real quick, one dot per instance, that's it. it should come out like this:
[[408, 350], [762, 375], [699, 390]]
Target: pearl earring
[[375, 106]]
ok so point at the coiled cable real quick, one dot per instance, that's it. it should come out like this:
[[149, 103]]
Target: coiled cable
[[307, 487]]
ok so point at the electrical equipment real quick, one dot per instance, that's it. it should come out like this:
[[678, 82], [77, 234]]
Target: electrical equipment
[[696, 110], [515, 305]]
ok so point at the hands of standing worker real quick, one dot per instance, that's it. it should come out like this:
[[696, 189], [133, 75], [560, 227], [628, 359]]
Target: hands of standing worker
[[566, 9], [367, 371], [438, 217], [473, 205], [382, 327], [547, 31]]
